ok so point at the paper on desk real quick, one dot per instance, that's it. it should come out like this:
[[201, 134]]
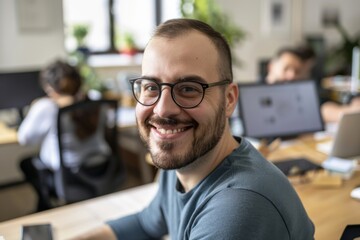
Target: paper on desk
[[324, 147], [339, 165]]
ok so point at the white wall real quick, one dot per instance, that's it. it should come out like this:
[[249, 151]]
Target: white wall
[[304, 17], [22, 49]]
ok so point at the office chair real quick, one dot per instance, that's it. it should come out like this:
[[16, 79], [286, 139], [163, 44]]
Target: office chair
[[351, 232], [102, 170]]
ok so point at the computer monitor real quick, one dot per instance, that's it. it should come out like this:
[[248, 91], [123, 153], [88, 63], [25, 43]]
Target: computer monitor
[[19, 89], [347, 137], [279, 110]]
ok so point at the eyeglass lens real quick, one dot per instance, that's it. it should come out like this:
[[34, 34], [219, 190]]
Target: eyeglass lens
[[185, 94]]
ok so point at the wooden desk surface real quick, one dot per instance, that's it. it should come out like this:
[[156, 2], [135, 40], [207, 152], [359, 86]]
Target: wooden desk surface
[[74, 219], [330, 209], [7, 135]]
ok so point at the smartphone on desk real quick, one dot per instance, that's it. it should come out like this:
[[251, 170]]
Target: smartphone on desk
[[37, 232]]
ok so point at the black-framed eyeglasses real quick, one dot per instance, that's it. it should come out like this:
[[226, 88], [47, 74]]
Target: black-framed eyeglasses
[[186, 94]]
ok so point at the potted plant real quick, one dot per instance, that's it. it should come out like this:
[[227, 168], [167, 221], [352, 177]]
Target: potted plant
[[80, 31], [209, 12], [339, 58], [128, 44]]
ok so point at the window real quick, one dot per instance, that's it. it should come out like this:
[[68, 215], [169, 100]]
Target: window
[[109, 21], [94, 14]]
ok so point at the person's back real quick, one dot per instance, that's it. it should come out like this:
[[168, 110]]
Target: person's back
[[62, 84], [83, 136]]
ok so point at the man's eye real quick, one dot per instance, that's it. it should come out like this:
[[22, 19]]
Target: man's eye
[[188, 89], [151, 87]]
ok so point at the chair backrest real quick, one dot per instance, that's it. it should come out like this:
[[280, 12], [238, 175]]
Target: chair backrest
[[90, 162], [351, 232]]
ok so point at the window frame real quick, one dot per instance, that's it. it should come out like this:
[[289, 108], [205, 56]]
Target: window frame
[[111, 30]]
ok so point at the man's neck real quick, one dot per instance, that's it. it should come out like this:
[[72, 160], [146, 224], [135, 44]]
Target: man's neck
[[190, 176]]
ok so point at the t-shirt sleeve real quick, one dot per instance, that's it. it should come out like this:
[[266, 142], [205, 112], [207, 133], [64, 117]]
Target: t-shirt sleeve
[[129, 227], [238, 214]]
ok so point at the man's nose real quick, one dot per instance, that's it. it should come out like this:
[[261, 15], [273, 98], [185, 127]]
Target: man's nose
[[166, 106]]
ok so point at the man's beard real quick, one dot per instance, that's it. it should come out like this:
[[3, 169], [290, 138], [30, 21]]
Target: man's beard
[[205, 139]]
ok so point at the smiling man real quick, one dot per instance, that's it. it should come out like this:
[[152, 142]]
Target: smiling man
[[213, 186]]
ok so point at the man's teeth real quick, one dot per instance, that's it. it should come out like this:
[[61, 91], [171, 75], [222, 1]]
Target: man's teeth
[[170, 131]]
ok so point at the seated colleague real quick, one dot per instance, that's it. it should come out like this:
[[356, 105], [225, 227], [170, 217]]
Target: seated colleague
[[292, 64], [212, 185], [62, 84], [332, 111], [287, 65]]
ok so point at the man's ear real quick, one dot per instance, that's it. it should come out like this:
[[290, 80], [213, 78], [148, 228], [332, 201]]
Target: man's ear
[[232, 95]]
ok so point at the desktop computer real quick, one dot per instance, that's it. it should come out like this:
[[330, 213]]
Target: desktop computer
[[18, 90]]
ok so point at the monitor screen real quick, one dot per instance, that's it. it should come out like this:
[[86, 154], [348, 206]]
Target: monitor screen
[[19, 89], [280, 110]]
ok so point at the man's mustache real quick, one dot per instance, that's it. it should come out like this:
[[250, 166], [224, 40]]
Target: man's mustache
[[169, 121]]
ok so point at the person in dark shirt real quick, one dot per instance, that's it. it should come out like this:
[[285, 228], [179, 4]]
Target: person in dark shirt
[[212, 185]]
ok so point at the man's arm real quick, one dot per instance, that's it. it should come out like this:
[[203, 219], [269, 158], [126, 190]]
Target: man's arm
[[332, 112], [103, 232]]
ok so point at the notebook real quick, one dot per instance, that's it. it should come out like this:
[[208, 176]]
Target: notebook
[[279, 110], [347, 137]]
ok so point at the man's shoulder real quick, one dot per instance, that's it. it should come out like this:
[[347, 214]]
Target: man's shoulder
[[45, 102]]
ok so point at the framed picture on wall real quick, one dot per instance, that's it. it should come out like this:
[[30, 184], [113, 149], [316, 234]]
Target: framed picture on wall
[[276, 16], [33, 15]]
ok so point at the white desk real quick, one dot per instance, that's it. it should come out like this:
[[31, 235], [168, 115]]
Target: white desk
[[74, 219]]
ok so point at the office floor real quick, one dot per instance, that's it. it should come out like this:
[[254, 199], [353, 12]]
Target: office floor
[[16, 201]]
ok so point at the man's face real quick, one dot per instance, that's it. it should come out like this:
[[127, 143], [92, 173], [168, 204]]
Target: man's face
[[175, 136], [287, 67]]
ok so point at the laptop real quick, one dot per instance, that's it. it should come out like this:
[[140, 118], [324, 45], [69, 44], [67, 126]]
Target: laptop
[[279, 110], [347, 137]]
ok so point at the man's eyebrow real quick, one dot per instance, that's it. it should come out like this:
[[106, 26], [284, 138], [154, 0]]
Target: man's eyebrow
[[150, 78], [191, 78], [179, 79]]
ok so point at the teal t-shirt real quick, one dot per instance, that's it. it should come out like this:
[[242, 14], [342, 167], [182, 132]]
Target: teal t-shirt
[[245, 197]]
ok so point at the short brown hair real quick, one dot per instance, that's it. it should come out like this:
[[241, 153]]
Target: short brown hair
[[175, 27], [62, 77]]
